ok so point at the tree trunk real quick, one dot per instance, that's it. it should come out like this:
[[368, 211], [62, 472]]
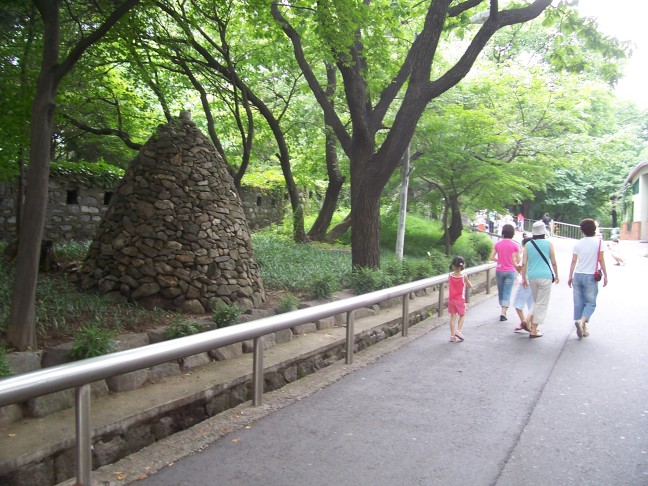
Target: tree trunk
[[339, 229], [21, 332], [335, 178], [453, 232], [365, 218], [335, 183]]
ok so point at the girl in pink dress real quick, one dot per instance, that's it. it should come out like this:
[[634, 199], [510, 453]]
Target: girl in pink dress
[[457, 285]]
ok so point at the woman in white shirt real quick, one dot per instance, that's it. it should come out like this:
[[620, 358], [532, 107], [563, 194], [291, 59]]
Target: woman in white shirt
[[586, 260]]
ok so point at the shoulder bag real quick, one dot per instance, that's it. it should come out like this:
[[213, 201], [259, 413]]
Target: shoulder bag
[[553, 278], [598, 274]]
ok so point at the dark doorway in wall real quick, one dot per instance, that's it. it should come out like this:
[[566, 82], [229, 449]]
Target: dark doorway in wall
[[107, 198], [73, 196], [259, 200]]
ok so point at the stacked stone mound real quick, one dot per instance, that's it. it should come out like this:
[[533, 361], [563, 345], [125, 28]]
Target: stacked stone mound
[[175, 235]]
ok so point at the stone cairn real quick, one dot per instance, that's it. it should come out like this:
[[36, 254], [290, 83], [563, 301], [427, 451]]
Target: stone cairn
[[175, 234]]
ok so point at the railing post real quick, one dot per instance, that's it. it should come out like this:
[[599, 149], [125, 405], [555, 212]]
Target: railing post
[[83, 436], [257, 372], [441, 298], [405, 314], [488, 281], [350, 337]]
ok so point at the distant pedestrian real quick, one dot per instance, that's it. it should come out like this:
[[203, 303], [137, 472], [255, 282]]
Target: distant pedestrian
[[458, 283], [539, 274], [520, 221], [586, 260], [615, 252], [506, 253], [548, 222]]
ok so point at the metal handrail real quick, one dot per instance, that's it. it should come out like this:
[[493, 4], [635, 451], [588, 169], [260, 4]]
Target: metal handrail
[[572, 231], [80, 374]]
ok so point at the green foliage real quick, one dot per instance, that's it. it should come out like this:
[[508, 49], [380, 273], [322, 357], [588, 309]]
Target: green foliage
[[91, 341], [72, 251], [180, 328], [482, 244], [5, 369], [324, 287], [98, 174], [288, 304], [464, 247], [420, 233], [225, 315], [439, 262], [365, 280], [293, 266]]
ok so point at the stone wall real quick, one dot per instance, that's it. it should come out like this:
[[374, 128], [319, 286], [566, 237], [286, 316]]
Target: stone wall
[[74, 211], [175, 235]]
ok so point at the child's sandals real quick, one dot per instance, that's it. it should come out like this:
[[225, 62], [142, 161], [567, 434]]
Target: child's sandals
[[459, 336], [453, 339]]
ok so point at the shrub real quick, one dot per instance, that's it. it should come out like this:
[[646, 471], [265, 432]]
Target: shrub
[[482, 245], [420, 233], [397, 270], [225, 314], [421, 269], [90, 341], [180, 328], [324, 287], [464, 247], [5, 370], [288, 304], [365, 280], [439, 262]]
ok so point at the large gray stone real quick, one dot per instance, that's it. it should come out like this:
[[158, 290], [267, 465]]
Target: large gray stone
[[131, 341], [194, 361], [9, 414], [158, 372], [127, 381], [227, 352], [304, 328], [24, 362], [283, 336], [57, 355]]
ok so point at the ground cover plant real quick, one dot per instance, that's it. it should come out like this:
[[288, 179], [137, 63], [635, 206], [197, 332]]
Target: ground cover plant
[[291, 272]]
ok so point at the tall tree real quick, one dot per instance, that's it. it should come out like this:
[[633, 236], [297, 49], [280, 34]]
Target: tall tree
[[22, 322], [349, 32]]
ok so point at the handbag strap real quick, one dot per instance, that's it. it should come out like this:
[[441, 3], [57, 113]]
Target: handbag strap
[[598, 255], [543, 257]]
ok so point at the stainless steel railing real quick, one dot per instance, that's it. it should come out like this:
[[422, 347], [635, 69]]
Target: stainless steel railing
[[80, 374], [566, 230]]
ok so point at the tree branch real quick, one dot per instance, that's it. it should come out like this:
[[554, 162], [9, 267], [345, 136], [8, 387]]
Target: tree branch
[[104, 131]]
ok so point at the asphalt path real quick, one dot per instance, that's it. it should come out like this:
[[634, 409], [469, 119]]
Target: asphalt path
[[498, 409]]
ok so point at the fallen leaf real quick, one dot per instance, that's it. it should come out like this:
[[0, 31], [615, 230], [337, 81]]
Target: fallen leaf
[[12, 435]]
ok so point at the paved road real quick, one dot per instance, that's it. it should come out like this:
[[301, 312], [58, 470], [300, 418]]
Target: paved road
[[499, 409]]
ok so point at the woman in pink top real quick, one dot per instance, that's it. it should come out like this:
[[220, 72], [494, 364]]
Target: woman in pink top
[[506, 253]]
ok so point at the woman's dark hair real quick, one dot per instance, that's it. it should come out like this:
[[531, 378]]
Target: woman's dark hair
[[588, 227], [508, 231], [457, 262]]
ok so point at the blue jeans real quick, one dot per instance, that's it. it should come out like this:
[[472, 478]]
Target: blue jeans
[[585, 292], [505, 281]]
